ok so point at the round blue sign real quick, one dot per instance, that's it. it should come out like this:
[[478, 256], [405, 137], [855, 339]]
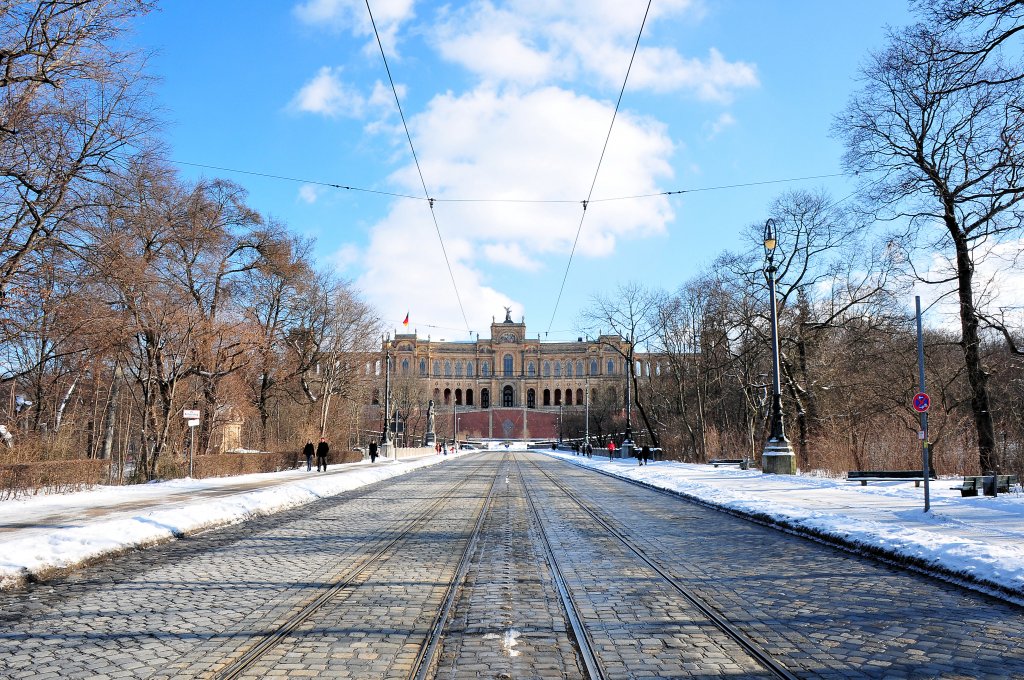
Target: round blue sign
[[921, 402]]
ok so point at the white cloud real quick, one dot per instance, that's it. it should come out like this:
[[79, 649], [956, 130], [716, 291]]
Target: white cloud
[[998, 286], [327, 95], [351, 16], [510, 255], [542, 144], [345, 256], [724, 120], [309, 193], [533, 42]]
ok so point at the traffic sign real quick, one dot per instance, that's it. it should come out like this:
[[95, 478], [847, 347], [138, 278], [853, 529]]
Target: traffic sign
[[921, 402], [190, 414], [193, 423]]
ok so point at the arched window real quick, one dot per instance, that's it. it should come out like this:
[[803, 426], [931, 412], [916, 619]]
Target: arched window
[[611, 367], [469, 397], [579, 368], [568, 369], [593, 367], [547, 369], [376, 367], [437, 367], [458, 396], [447, 367], [485, 369], [531, 398], [507, 365], [507, 396], [485, 398], [593, 394], [405, 367], [469, 369], [531, 369], [568, 397], [437, 394], [558, 397], [579, 397], [376, 397], [367, 368], [447, 396], [611, 395], [547, 397], [458, 368], [558, 369], [423, 367]]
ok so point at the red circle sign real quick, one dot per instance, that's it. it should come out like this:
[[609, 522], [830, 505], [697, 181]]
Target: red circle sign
[[921, 402]]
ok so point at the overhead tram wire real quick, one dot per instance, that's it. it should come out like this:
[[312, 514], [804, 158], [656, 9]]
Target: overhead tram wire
[[583, 216], [393, 194], [419, 170]]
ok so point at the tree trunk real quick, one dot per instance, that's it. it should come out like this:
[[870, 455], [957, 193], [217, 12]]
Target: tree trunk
[[977, 376], [108, 420]]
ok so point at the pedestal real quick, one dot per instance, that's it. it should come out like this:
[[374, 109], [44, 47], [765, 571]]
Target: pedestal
[[387, 449], [778, 458], [429, 439]]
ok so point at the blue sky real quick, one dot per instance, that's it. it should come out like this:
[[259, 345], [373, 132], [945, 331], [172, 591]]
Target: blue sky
[[511, 100]]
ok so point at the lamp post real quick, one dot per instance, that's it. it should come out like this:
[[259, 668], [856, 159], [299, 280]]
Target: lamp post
[[777, 457], [386, 443]]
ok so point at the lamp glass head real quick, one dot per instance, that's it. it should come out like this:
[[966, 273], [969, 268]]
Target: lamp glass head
[[769, 244]]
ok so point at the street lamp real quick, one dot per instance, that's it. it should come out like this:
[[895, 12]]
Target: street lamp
[[386, 443], [777, 457]]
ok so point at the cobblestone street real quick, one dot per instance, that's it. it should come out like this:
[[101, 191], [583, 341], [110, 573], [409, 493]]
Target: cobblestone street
[[359, 585]]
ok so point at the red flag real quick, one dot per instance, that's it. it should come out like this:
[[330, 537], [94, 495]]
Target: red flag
[[406, 322]]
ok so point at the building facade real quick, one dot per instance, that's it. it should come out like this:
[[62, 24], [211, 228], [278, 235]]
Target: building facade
[[511, 385]]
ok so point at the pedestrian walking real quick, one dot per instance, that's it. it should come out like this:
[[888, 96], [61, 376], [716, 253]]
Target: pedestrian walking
[[590, 450], [307, 451], [611, 449], [322, 449], [373, 452], [645, 454]]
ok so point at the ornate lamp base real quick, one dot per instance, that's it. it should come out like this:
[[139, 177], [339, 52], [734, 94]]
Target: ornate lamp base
[[778, 458]]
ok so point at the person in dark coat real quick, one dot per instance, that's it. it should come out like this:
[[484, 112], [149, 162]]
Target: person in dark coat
[[307, 451], [590, 450], [645, 454], [322, 450], [373, 452]]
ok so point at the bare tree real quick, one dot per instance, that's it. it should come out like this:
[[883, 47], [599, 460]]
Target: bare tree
[[631, 313], [947, 161]]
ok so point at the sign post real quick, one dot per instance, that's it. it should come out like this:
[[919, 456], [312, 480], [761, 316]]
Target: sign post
[[191, 415], [921, 404]]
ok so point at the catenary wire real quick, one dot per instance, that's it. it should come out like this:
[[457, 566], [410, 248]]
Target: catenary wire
[[419, 170], [597, 170], [394, 194]]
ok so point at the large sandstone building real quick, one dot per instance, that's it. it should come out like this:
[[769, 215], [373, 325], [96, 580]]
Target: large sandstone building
[[510, 385]]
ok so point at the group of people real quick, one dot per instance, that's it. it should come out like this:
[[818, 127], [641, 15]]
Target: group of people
[[440, 448], [579, 449], [321, 450]]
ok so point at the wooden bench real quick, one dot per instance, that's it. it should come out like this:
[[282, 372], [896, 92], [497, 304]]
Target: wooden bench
[[743, 463], [974, 483], [865, 476]]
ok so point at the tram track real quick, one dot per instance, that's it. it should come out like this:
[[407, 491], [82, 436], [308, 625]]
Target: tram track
[[589, 654], [428, 649]]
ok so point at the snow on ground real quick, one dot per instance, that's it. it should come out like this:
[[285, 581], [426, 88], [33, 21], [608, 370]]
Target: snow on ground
[[980, 539], [44, 533]]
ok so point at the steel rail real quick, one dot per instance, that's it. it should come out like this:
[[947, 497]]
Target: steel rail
[[584, 643], [273, 638], [428, 650], [738, 636]]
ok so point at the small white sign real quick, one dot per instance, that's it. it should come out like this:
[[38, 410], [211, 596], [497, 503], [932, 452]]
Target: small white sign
[[920, 435], [190, 414], [194, 422]]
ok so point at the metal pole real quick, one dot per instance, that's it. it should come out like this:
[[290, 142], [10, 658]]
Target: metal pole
[[924, 414], [191, 448], [587, 426], [387, 392], [778, 430]]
